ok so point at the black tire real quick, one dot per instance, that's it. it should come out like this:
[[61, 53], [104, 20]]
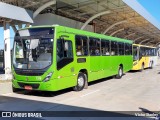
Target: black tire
[[120, 73], [151, 66], [81, 79], [14, 89], [142, 67]]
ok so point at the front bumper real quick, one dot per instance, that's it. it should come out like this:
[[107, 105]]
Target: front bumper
[[40, 86]]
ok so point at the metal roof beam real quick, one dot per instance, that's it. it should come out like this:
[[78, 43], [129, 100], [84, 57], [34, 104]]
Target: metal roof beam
[[81, 5], [129, 35], [149, 42], [144, 40], [93, 17], [138, 39], [117, 23], [43, 7], [113, 33], [157, 44]]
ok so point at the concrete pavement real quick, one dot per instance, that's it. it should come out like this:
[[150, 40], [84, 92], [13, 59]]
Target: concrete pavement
[[136, 91]]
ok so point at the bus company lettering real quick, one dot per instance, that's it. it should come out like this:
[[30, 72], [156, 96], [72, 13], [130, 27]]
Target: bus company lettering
[[34, 115], [29, 114]]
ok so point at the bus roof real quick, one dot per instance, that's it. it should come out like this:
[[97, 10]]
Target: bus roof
[[143, 45], [83, 32]]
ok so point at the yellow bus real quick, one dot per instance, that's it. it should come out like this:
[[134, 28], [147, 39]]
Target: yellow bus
[[144, 57]]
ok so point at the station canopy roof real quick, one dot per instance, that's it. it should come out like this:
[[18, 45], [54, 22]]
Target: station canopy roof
[[136, 28], [14, 14]]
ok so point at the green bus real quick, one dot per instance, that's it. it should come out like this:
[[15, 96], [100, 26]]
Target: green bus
[[52, 58]]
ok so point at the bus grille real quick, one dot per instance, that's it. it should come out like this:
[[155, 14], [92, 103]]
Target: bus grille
[[29, 73]]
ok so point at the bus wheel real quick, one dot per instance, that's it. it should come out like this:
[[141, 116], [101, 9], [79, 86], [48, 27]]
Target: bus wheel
[[80, 82], [142, 67], [120, 73]]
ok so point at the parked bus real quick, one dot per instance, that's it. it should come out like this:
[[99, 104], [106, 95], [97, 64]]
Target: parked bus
[[1, 61], [52, 58], [144, 57]]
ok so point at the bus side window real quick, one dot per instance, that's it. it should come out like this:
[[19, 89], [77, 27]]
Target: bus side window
[[114, 48], [59, 50], [81, 45], [121, 48], [142, 52], [128, 49], [64, 53], [105, 47], [94, 46], [154, 52]]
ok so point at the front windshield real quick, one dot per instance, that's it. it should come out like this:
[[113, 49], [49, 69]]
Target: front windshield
[[33, 52], [135, 53]]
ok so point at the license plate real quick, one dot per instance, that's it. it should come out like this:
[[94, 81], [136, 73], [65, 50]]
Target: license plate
[[28, 87]]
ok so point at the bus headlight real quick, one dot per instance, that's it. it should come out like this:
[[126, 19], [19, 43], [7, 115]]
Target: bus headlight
[[47, 78], [135, 63]]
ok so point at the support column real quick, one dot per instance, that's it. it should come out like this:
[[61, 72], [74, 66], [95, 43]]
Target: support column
[[7, 51]]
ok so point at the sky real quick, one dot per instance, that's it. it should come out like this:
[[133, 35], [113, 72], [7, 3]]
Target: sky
[[152, 7], [2, 37]]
